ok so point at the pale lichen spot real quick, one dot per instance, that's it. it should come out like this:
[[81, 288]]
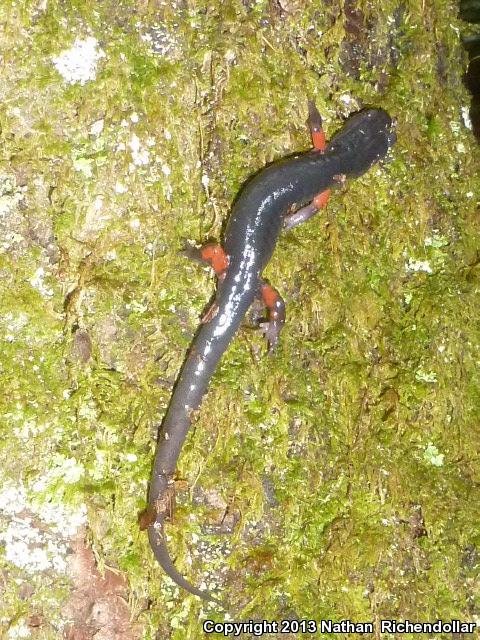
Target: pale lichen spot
[[120, 188], [97, 128], [432, 456], [140, 155], [79, 63], [414, 266], [37, 281]]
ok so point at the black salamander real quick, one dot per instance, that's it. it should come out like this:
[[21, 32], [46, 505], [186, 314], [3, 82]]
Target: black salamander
[[257, 218]]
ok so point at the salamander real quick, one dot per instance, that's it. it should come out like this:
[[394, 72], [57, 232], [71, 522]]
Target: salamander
[[281, 195]]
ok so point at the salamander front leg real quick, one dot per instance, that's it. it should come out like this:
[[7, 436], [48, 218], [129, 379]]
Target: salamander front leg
[[276, 314], [305, 213], [318, 141], [315, 124]]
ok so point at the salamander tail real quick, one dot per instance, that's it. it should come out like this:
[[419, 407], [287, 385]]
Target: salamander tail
[[163, 558]]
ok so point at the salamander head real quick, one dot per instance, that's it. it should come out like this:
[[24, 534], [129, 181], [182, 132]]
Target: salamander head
[[372, 123], [364, 140]]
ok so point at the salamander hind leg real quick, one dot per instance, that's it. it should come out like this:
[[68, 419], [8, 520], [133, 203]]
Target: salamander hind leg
[[211, 254], [276, 314]]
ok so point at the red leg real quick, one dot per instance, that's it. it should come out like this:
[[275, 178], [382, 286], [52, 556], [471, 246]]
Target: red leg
[[276, 314], [321, 199], [319, 144], [216, 257], [305, 213], [212, 254], [315, 126]]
